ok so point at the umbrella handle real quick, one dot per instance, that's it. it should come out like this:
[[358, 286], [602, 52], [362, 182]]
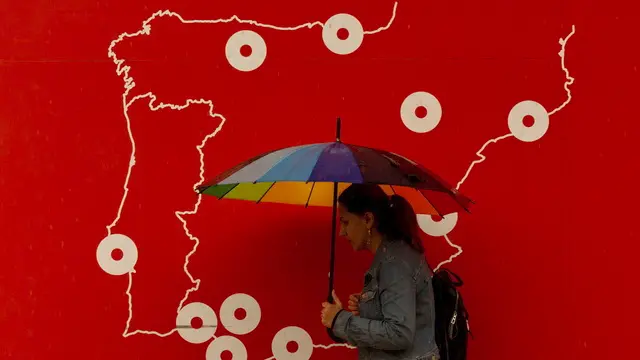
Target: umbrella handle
[[329, 330]]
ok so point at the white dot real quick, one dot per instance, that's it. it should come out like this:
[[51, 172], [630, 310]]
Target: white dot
[[292, 334], [228, 314], [540, 121], [226, 343], [415, 101], [345, 22], [190, 312], [252, 40], [120, 266], [437, 228]]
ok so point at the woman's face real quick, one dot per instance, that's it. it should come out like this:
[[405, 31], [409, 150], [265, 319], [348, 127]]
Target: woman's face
[[355, 227]]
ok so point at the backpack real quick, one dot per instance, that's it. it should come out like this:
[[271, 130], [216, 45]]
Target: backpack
[[452, 318]]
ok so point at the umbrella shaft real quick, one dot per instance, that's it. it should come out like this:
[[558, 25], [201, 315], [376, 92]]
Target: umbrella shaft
[[332, 258], [333, 239]]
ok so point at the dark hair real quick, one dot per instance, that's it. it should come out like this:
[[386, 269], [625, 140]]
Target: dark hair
[[394, 215]]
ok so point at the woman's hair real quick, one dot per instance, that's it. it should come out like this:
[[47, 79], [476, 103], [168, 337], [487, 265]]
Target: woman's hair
[[394, 216]]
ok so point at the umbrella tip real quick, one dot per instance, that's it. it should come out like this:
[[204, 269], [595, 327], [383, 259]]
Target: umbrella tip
[[338, 121]]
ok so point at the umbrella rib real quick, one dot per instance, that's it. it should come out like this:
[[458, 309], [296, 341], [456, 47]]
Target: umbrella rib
[[228, 191], [424, 196], [430, 203], [265, 193], [283, 158], [313, 185], [353, 154]]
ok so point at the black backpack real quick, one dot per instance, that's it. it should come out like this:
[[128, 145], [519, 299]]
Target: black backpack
[[452, 319]]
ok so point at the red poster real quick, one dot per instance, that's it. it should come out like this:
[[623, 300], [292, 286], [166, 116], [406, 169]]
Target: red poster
[[112, 113]]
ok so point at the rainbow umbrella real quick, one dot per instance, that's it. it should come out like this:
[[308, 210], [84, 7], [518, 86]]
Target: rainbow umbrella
[[314, 174]]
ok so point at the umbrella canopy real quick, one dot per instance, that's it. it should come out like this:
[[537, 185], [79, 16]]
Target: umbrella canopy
[[313, 175], [305, 175]]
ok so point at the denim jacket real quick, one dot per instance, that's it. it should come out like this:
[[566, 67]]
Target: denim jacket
[[397, 313]]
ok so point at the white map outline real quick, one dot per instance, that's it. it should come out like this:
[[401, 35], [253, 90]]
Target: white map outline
[[568, 81], [122, 70]]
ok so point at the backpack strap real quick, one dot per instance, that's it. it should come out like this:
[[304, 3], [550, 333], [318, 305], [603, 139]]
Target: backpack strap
[[455, 279]]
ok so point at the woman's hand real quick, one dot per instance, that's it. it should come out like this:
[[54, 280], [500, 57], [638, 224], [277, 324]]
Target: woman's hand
[[354, 304], [329, 311]]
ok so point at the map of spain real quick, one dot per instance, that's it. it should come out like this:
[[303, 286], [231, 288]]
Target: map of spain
[[189, 87]]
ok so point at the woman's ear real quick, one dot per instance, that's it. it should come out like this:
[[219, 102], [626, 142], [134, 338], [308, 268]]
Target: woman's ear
[[369, 220]]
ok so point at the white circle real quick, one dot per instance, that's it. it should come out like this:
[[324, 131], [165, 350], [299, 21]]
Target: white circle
[[540, 121], [196, 310], [330, 34], [258, 50], [288, 334], [228, 316], [129, 254], [437, 228], [226, 343], [413, 102]]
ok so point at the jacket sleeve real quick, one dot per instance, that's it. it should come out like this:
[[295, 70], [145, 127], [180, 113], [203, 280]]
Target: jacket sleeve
[[398, 299]]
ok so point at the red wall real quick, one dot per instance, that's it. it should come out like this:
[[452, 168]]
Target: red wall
[[548, 252]]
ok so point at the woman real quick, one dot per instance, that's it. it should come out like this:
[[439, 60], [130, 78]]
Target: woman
[[393, 317]]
